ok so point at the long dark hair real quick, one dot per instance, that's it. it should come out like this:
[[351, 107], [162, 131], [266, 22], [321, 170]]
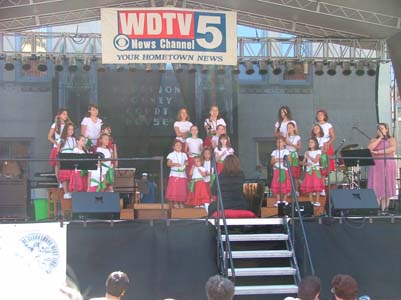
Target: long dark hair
[[321, 132], [57, 120], [316, 143], [287, 112], [64, 133], [224, 136]]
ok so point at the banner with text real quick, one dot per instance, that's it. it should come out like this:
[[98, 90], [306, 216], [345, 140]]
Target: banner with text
[[168, 35]]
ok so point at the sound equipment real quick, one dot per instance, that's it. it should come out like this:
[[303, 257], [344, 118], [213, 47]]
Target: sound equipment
[[305, 208], [99, 205], [358, 202]]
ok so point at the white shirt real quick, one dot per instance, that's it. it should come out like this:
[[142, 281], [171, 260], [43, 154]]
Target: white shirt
[[206, 166], [279, 154], [223, 153], [283, 126], [313, 154], [78, 151], [95, 174], [321, 141], [92, 129], [213, 124], [326, 129], [69, 145], [180, 158], [294, 139], [107, 154], [196, 173], [57, 136], [183, 126], [194, 146]]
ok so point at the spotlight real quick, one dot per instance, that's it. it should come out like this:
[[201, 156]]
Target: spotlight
[[263, 67], [42, 66], [346, 68], [191, 68], [148, 68], [100, 67], [372, 66], [87, 64], [235, 70], [9, 63], [205, 69], [162, 68], [120, 68], [319, 68], [306, 67], [276, 67], [290, 68], [249, 68], [178, 68], [331, 70], [72, 64], [58, 65], [221, 70], [26, 63], [132, 67], [360, 68]]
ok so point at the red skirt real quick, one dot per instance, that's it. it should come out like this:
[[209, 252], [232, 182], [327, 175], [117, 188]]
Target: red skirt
[[312, 183], [64, 175], [220, 166], [177, 189], [190, 164], [330, 152], [208, 141], [283, 187], [296, 171], [200, 195], [93, 189], [53, 157], [78, 183]]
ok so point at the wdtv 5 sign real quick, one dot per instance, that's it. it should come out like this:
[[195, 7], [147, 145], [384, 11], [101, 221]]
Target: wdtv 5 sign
[[168, 35]]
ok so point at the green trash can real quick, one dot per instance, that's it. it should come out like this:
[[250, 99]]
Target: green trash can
[[39, 197]]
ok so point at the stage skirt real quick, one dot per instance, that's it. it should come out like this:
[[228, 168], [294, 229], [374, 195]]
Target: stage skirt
[[93, 189], [78, 183], [208, 141], [313, 181], [220, 165], [189, 166], [199, 194], [281, 183], [53, 157], [177, 189], [294, 163], [64, 175]]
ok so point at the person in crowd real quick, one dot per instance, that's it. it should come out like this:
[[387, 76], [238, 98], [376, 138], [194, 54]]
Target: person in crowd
[[221, 129], [281, 184], [106, 128], [344, 287], [293, 145], [328, 133], [211, 124], [231, 181], [308, 289], [91, 126], [117, 284], [223, 150], [382, 175], [219, 288], [193, 147], [313, 181], [199, 193], [177, 186], [79, 178], [54, 137], [182, 126], [103, 148], [68, 143], [284, 117], [147, 189], [318, 134]]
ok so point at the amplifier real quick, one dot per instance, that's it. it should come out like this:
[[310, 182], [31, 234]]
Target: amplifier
[[100, 205]]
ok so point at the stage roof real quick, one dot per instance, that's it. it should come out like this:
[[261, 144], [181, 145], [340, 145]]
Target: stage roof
[[308, 18]]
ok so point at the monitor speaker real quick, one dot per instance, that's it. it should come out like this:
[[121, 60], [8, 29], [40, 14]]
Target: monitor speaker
[[361, 202], [99, 205]]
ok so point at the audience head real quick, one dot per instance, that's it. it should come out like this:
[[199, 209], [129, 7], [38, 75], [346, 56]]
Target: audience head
[[344, 287], [219, 288], [231, 166], [117, 283], [309, 288]]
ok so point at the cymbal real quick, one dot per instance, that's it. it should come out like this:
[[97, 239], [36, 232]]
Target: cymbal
[[349, 147]]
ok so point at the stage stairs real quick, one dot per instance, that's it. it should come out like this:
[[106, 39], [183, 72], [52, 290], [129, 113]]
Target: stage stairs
[[263, 258]]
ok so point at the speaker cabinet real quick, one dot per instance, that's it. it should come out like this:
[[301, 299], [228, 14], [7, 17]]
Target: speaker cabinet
[[95, 205], [361, 202]]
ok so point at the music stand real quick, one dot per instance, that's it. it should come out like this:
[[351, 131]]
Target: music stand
[[77, 161], [353, 157]]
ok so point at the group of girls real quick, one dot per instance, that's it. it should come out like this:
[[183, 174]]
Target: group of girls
[[315, 161], [95, 137], [191, 172]]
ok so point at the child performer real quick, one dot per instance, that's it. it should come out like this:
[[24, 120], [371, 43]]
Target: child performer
[[68, 143], [112, 146], [281, 184], [182, 126], [97, 179], [193, 147], [177, 186], [284, 117], [317, 132], [211, 124], [79, 178], [293, 144], [313, 181], [54, 137], [199, 193], [222, 151], [91, 126], [221, 129], [328, 133], [103, 148]]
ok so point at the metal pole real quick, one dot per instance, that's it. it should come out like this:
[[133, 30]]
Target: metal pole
[[161, 182]]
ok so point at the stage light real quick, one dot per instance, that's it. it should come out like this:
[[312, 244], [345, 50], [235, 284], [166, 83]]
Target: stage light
[[319, 68], [58, 64], [162, 68], [360, 68], [276, 67], [132, 67], [221, 70], [9, 63], [148, 68], [290, 68], [72, 64], [331, 70], [191, 68], [249, 68], [100, 67], [263, 67], [42, 66], [120, 68], [372, 66], [205, 69], [346, 68], [26, 63], [178, 68], [87, 64], [235, 70], [306, 67]]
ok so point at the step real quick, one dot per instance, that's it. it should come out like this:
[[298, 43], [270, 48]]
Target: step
[[263, 271], [256, 237], [266, 289], [261, 254], [250, 221]]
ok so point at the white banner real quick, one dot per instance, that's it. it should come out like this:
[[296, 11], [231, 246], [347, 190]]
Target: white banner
[[32, 257], [168, 35]]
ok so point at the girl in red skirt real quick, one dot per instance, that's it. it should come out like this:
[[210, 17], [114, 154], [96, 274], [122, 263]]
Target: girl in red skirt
[[177, 186], [328, 134], [313, 180], [79, 178], [199, 192], [222, 151], [293, 144], [281, 184], [193, 147], [211, 124], [68, 143]]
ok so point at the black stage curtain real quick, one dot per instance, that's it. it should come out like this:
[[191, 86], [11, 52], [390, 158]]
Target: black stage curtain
[[394, 46], [368, 252], [162, 261]]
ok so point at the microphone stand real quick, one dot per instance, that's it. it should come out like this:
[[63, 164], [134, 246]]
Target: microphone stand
[[361, 132], [336, 161], [385, 168]]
